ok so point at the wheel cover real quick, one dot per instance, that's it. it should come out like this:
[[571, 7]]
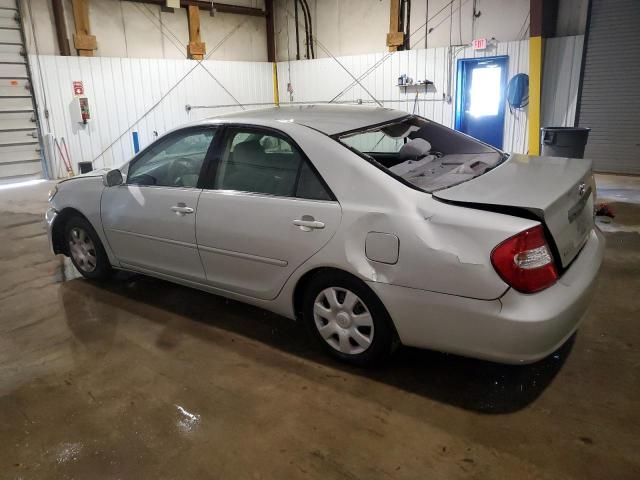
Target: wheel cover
[[82, 250], [343, 320]]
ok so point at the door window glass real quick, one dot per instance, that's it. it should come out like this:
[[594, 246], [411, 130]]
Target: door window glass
[[174, 162], [265, 163], [310, 186]]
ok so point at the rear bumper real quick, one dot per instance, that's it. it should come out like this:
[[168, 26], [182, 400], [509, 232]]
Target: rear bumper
[[517, 328]]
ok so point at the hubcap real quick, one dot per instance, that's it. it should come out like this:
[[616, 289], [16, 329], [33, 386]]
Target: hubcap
[[82, 250], [343, 320]]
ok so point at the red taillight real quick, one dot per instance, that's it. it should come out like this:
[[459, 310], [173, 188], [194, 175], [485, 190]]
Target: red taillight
[[525, 262]]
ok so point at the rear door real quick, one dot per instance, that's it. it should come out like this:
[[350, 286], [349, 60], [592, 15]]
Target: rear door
[[263, 213], [149, 221]]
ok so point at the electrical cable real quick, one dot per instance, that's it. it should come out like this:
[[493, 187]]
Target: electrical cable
[[310, 38], [42, 84], [168, 92], [522, 32], [124, 31], [389, 54], [460, 22], [295, 5], [184, 48]]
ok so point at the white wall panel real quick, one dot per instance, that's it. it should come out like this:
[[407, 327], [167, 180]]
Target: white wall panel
[[561, 77], [322, 79], [122, 90]]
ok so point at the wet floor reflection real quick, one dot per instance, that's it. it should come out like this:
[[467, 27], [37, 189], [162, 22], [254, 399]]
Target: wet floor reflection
[[470, 384]]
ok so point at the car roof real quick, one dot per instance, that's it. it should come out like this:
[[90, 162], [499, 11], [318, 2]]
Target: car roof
[[329, 119]]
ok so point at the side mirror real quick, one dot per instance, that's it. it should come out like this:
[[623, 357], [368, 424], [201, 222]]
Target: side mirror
[[112, 178]]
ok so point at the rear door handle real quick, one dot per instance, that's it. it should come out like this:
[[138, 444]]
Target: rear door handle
[[308, 225], [181, 209]]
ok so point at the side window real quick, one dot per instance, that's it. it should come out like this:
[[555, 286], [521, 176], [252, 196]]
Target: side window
[[310, 186], [266, 163], [174, 162]]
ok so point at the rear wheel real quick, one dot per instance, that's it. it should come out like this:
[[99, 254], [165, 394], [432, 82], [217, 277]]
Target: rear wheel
[[347, 319], [86, 250]]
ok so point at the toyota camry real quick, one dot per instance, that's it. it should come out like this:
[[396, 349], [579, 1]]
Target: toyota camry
[[373, 227]]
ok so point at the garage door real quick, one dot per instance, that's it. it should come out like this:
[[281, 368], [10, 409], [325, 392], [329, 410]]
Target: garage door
[[19, 145], [610, 100]]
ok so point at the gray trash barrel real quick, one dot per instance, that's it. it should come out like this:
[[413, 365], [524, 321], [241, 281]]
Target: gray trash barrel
[[563, 141]]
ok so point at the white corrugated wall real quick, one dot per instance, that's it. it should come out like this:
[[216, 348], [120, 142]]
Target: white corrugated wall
[[323, 79], [122, 90], [560, 80]]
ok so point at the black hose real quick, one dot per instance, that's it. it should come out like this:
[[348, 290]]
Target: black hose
[[308, 14], [306, 28], [295, 3], [407, 27]]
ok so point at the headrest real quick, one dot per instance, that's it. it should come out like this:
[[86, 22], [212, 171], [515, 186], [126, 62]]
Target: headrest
[[414, 149], [247, 150]]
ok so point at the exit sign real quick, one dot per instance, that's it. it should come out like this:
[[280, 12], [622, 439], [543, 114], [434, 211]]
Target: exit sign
[[479, 44]]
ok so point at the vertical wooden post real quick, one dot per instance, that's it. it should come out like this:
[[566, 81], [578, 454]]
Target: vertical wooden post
[[395, 38], [196, 48], [271, 41], [84, 42], [61, 27]]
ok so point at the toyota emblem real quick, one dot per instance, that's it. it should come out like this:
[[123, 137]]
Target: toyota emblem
[[581, 189]]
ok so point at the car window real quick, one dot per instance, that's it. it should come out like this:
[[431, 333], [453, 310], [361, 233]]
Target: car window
[[310, 186], [266, 163], [172, 162]]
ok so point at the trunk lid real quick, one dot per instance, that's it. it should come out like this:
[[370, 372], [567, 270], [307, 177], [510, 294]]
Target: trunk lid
[[560, 192]]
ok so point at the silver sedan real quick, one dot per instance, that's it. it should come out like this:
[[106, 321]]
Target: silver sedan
[[373, 227]]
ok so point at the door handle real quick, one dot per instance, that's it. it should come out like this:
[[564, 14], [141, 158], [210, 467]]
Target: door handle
[[308, 225], [181, 209]]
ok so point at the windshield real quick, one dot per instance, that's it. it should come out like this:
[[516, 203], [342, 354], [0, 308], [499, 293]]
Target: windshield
[[426, 154]]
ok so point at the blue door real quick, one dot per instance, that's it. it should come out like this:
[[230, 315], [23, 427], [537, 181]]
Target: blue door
[[480, 98]]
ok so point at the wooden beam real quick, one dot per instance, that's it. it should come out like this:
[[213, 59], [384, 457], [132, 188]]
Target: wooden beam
[[196, 48], [395, 37], [61, 27], [271, 37], [84, 42]]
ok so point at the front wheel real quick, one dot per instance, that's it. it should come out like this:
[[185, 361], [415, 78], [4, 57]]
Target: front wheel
[[86, 250], [347, 319]]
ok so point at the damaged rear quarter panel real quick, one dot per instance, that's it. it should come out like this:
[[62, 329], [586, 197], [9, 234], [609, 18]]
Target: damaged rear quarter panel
[[443, 248]]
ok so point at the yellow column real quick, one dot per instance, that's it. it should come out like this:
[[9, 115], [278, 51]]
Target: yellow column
[[536, 45], [276, 95]]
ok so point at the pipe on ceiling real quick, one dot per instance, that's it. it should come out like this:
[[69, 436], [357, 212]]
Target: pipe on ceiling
[[206, 5]]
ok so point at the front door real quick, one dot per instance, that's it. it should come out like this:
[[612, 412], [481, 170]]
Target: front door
[[149, 221], [480, 98], [264, 213]]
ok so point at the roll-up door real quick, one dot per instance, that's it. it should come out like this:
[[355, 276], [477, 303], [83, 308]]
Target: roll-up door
[[20, 157], [610, 99]]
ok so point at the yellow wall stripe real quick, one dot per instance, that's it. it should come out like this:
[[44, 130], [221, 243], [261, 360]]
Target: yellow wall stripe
[[276, 95], [535, 89]]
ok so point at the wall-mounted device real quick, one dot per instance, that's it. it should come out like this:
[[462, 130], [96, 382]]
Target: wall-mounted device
[[80, 111]]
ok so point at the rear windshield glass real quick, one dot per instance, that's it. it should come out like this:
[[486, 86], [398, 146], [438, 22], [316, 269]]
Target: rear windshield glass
[[426, 154]]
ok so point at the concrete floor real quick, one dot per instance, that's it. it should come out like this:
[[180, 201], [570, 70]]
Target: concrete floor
[[139, 378]]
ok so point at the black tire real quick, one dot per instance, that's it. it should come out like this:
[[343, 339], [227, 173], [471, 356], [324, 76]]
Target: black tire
[[384, 337], [102, 268]]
